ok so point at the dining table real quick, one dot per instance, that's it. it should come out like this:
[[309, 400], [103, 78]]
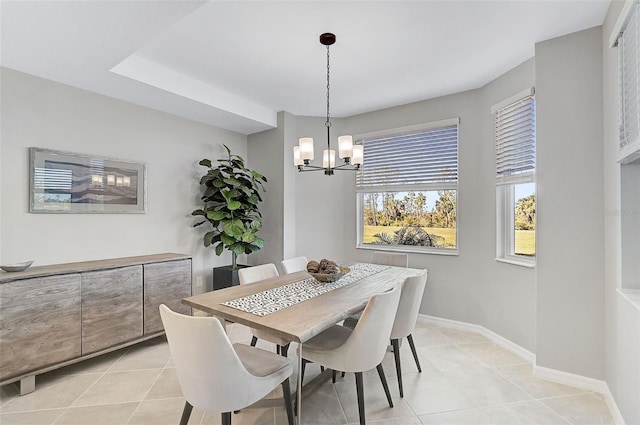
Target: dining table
[[317, 306]]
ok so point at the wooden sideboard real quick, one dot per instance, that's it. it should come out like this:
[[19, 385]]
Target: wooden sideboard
[[52, 316]]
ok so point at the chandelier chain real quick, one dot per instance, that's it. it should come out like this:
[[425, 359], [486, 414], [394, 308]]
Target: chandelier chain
[[328, 123]]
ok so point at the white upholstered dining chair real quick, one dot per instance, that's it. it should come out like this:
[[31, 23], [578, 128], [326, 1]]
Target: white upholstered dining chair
[[360, 349], [292, 265], [412, 290], [397, 259], [405, 321], [254, 274], [217, 376], [390, 258]]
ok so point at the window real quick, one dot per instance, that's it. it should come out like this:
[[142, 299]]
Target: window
[[625, 35], [515, 133], [407, 189], [629, 51]]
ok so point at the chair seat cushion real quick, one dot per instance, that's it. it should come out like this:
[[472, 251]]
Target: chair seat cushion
[[329, 339], [262, 363], [352, 321]]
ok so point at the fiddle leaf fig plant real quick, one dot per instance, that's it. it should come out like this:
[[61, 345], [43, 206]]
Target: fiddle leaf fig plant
[[231, 197]]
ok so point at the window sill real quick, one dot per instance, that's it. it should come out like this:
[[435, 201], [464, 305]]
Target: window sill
[[517, 262], [408, 250], [631, 295]]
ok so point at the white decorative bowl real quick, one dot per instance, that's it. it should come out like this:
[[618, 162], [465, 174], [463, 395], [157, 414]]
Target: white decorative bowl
[[17, 267]]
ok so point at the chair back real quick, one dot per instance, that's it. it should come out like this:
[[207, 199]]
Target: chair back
[[409, 305], [256, 273], [368, 342], [210, 373], [390, 258], [292, 265]]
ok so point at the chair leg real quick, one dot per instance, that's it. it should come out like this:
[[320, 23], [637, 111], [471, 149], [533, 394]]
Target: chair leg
[[415, 353], [186, 413], [226, 418], [360, 392], [284, 350], [333, 376], [254, 341], [286, 391], [383, 379], [396, 355], [277, 349]]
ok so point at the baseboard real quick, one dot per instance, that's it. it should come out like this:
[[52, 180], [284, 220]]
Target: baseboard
[[613, 407], [481, 330], [584, 383], [558, 376]]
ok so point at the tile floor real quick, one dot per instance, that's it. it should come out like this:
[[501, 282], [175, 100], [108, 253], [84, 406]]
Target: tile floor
[[465, 379]]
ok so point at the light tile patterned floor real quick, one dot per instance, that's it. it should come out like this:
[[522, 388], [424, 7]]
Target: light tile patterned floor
[[465, 379]]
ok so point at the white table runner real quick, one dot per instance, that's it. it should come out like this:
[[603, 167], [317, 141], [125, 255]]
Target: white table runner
[[276, 299]]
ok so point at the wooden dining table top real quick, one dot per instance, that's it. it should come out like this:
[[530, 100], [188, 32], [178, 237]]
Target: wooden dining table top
[[302, 321]]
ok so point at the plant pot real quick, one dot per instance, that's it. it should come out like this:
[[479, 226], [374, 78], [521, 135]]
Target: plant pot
[[225, 276]]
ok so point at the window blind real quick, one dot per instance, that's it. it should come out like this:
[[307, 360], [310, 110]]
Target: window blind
[[629, 51], [424, 157], [515, 131]]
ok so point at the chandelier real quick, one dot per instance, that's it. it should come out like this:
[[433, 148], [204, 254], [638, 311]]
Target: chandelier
[[350, 153]]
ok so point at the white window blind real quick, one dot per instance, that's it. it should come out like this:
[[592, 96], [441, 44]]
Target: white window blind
[[427, 157], [515, 131], [629, 51]]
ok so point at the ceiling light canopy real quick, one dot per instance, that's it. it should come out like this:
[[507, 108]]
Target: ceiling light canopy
[[350, 153]]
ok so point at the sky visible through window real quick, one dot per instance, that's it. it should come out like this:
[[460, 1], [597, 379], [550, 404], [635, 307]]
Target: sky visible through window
[[524, 190]]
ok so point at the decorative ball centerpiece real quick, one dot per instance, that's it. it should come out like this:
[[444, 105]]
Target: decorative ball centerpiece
[[326, 270]]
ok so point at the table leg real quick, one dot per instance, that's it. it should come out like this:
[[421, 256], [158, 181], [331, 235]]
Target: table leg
[[299, 386]]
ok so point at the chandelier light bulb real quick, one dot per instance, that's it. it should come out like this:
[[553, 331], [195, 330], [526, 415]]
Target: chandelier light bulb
[[358, 155], [306, 148], [345, 144], [326, 154], [297, 160]]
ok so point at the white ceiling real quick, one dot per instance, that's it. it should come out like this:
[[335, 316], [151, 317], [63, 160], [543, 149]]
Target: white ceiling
[[235, 64]]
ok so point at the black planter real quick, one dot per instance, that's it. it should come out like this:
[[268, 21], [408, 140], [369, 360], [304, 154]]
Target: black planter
[[225, 276]]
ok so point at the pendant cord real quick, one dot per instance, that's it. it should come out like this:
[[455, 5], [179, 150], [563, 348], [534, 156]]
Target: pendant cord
[[328, 123]]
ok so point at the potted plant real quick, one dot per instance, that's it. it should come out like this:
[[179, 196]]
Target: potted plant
[[231, 197]]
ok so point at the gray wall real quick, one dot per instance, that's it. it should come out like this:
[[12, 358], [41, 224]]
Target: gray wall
[[471, 287], [266, 150], [622, 345], [570, 263], [272, 154], [41, 113]]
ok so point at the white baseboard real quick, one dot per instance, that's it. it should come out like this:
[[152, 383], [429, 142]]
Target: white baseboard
[[570, 379], [481, 330], [613, 407], [584, 383], [558, 376]]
